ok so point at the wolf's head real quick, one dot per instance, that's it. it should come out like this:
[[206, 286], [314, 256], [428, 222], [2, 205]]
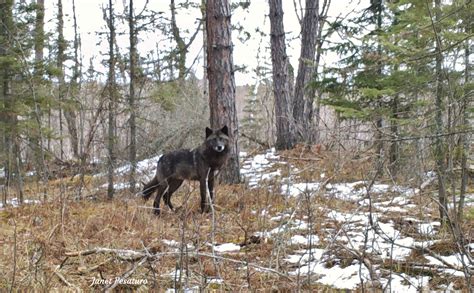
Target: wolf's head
[[217, 140]]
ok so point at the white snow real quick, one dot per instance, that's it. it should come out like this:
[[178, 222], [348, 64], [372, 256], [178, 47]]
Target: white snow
[[298, 189], [304, 256], [304, 240], [255, 169], [428, 228], [226, 247], [336, 276], [145, 168], [15, 202]]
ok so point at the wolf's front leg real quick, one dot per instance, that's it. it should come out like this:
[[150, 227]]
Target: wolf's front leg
[[202, 187], [210, 185]]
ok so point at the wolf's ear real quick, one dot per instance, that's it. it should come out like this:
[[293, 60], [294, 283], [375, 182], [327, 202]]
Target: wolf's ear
[[208, 132], [225, 130]]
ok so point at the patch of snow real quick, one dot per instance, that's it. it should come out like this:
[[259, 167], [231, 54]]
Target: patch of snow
[[176, 244], [215, 281], [145, 168], [336, 276], [304, 240], [15, 202], [226, 247], [406, 283], [298, 189], [454, 260], [428, 228], [291, 225], [255, 169], [279, 217], [386, 241], [305, 256]]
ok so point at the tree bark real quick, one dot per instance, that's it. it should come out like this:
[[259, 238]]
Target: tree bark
[[66, 108], [112, 104], [303, 97], [60, 64], [439, 143], [221, 80], [35, 134], [465, 137], [281, 82], [7, 118], [131, 100]]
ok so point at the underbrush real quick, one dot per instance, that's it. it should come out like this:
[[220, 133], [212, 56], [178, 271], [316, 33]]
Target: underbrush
[[255, 238]]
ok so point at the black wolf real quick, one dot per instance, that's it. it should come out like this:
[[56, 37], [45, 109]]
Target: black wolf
[[197, 164]]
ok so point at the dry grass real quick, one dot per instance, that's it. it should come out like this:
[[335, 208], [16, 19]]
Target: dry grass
[[36, 239]]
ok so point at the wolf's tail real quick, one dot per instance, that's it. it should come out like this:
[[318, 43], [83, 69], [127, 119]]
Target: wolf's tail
[[149, 188]]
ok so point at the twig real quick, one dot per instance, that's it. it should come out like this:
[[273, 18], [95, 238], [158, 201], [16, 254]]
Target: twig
[[124, 254], [145, 253], [126, 274], [63, 279], [14, 258], [300, 159]]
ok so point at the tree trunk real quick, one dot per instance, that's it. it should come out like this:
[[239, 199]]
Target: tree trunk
[[221, 80], [60, 64], [315, 137], [7, 118], [439, 108], [303, 97], [66, 106], [465, 137], [394, 145], [379, 144], [39, 37], [181, 49], [34, 135], [204, 49], [75, 80], [112, 104], [281, 82], [131, 100]]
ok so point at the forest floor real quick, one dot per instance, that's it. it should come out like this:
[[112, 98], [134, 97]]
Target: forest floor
[[301, 220]]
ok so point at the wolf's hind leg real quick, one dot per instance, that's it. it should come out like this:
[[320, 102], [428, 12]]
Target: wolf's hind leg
[[173, 185], [162, 189]]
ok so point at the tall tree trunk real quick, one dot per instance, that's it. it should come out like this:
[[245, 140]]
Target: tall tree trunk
[[439, 107], [465, 137], [60, 64], [281, 82], [221, 80], [303, 97], [39, 37], [181, 45], [394, 145], [112, 104], [75, 80], [131, 100], [204, 50], [315, 138], [377, 7], [36, 136], [67, 105], [7, 118]]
